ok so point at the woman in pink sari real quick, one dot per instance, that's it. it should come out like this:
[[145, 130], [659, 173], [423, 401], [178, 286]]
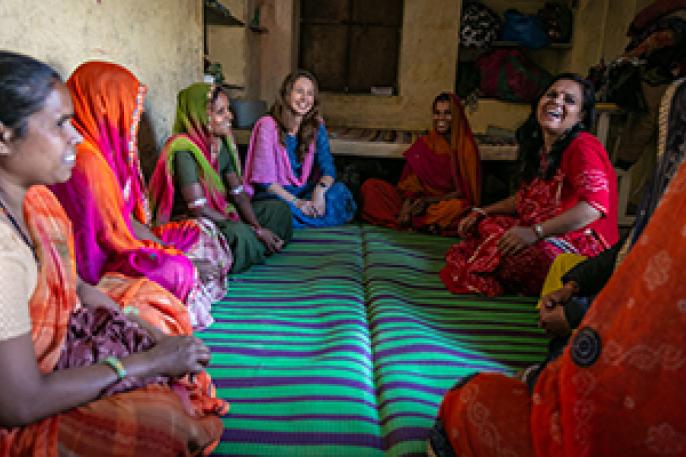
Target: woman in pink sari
[[107, 202], [567, 201]]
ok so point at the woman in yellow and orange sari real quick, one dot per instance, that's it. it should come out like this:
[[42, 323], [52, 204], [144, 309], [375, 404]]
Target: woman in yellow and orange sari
[[441, 178], [109, 381]]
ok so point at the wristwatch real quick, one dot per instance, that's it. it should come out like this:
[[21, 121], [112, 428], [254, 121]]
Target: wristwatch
[[538, 230]]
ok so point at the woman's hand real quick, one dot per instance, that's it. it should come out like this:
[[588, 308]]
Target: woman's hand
[[272, 242], [418, 207], [405, 216], [554, 321], [560, 296], [319, 201], [206, 269], [307, 207], [178, 355], [516, 239], [468, 223]]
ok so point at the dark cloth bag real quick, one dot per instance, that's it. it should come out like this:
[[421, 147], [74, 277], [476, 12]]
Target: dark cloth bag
[[507, 74], [96, 333], [525, 29]]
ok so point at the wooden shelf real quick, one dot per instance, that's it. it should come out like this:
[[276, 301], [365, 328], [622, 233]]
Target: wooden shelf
[[258, 29], [388, 150], [215, 16], [516, 44]]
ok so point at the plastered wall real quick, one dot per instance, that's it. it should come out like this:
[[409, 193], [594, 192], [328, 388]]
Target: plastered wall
[[160, 41], [428, 57]]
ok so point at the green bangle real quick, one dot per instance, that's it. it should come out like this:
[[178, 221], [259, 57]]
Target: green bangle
[[116, 365], [130, 310]]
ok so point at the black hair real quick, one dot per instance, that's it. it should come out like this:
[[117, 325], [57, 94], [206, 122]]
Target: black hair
[[25, 83], [530, 137], [216, 90], [442, 97]]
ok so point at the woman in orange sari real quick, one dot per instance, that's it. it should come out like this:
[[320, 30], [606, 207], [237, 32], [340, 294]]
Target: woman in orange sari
[[109, 382], [107, 200], [617, 389], [441, 178]]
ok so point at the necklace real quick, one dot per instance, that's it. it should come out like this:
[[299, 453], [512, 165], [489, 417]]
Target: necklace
[[19, 230]]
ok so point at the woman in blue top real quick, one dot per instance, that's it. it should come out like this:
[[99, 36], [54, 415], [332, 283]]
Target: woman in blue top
[[289, 158]]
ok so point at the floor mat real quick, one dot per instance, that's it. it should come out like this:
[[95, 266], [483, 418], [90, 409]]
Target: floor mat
[[290, 352], [344, 344], [424, 338]]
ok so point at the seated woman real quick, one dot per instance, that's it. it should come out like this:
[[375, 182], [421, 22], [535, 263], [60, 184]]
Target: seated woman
[[289, 158], [65, 341], [107, 202], [440, 180], [199, 170], [572, 283], [615, 389], [567, 201]]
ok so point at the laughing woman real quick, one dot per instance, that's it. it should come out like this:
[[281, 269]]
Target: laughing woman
[[289, 158], [567, 201], [107, 383]]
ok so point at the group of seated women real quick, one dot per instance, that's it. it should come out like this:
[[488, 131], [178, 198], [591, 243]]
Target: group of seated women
[[106, 277], [559, 233], [202, 215]]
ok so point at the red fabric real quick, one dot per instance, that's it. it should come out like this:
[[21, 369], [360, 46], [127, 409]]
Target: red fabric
[[478, 423], [618, 389], [430, 168], [381, 203], [475, 265], [590, 176]]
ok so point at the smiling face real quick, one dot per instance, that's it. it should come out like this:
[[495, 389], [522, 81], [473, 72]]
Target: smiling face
[[46, 154], [301, 97], [442, 117], [220, 116], [560, 108]]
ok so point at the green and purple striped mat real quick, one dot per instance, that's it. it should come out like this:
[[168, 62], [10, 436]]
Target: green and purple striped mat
[[344, 344]]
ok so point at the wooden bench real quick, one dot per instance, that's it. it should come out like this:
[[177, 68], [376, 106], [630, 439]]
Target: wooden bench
[[390, 144]]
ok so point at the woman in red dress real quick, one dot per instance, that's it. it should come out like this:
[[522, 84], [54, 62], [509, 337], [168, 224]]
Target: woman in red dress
[[567, 201]]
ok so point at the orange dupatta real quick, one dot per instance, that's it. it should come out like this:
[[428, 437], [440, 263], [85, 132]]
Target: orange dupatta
[[421, 176]]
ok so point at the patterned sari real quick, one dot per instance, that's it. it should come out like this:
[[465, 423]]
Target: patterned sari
[[434, 167], [618, 388], [192, 138], [153, 420], [107, 189], [475, 265], [191, 134]]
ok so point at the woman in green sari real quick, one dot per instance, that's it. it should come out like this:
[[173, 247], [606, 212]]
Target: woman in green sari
[[199, 174]]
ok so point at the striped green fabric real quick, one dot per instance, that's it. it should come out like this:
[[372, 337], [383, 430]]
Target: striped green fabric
[[344, 344], [291, 353], [424, 338]]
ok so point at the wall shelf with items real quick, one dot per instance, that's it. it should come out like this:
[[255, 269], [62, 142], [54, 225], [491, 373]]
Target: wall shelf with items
[[552, 58]]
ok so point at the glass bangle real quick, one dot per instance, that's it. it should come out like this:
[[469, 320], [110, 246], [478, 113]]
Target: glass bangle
[[118, 367]]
